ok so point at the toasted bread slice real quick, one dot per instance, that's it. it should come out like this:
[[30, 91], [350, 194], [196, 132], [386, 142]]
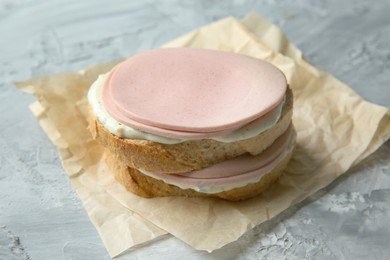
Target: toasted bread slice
[[148, 187]]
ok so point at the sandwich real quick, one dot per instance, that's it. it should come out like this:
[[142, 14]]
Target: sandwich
[[193, 122]]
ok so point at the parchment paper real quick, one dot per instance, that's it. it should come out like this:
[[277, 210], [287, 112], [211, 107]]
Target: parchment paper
[[336, 129]]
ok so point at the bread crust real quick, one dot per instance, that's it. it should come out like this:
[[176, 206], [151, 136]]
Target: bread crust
[[148, 187], [189, 155]]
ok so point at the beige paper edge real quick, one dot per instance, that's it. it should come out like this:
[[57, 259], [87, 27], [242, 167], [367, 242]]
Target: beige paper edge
[[116, 213]]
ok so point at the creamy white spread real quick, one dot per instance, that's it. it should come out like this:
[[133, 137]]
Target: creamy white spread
[[124, 131]]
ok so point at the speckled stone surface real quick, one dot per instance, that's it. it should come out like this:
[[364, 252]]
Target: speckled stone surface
[[41, 217]]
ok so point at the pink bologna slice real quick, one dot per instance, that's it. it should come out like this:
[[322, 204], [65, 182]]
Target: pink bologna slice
[[192, 91]]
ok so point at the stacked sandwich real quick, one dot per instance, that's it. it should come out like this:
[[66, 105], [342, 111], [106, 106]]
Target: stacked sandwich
[[193, 122]]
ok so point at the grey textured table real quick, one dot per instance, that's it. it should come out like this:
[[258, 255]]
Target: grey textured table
[[41, 217]]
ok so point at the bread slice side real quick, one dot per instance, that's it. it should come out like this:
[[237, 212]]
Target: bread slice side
[[148, 187]]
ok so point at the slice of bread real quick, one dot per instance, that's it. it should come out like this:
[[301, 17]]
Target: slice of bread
[[189, 155], [148, 187]]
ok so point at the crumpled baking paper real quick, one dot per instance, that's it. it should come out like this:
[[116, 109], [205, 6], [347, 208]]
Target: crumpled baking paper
[[336, 129]]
